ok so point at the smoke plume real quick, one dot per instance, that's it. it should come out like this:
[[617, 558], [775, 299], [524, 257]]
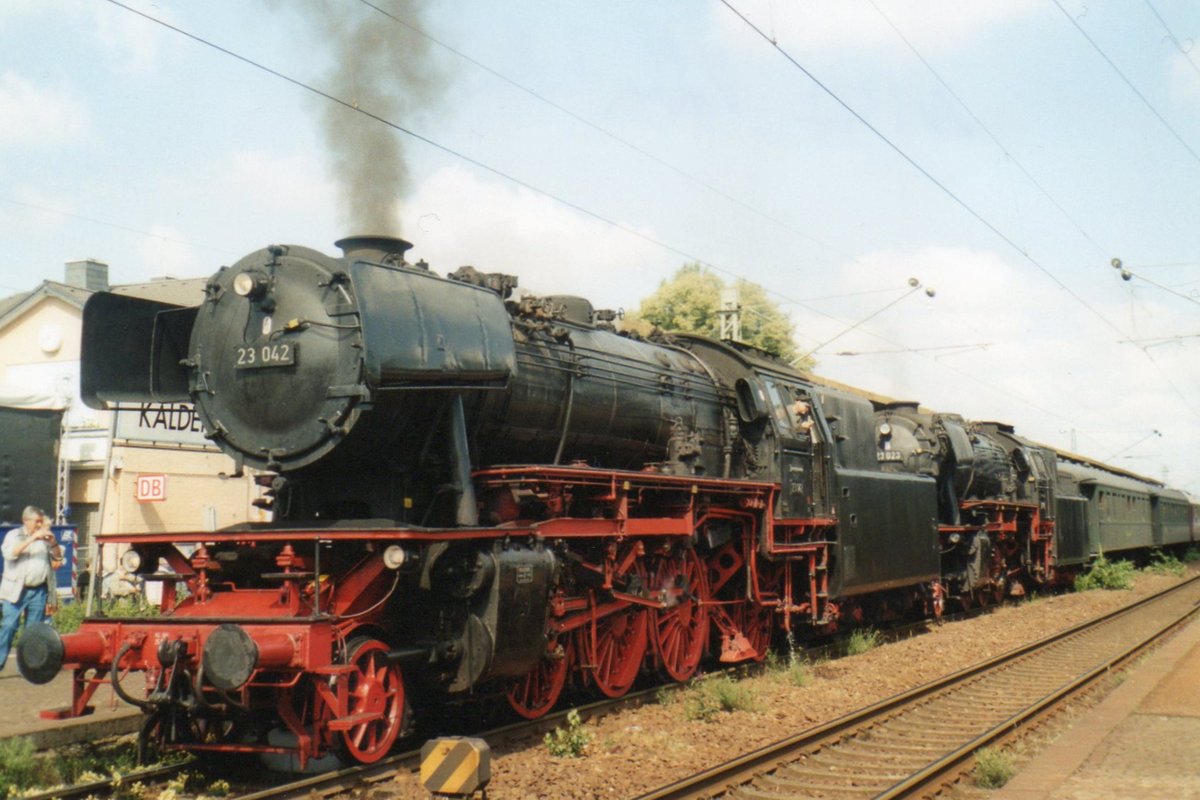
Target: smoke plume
[[384, 67]]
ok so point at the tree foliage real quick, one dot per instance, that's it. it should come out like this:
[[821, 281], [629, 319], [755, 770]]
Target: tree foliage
[[690, 302]]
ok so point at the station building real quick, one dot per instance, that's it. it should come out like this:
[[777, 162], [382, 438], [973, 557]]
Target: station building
[[147, 468]]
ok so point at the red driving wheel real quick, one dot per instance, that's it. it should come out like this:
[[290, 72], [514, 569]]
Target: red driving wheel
[[680, 630], [375, 688], [536, 693], [616, 646]]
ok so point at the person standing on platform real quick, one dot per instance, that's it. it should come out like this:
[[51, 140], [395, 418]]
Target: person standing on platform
[[24, 589]]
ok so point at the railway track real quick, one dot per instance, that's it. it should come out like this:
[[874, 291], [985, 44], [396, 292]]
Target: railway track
[[334, 783], [922, 739], [344, 780], [708, 784]]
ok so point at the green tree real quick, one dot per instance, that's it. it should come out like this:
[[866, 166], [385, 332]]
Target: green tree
[[690, 302]]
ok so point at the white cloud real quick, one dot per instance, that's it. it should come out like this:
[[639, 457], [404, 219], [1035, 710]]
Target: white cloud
[[456, 218], [287, 183], [933, 26], [166, 254], [1051, 368], [132, 43], [1185, 77], [36, 115]]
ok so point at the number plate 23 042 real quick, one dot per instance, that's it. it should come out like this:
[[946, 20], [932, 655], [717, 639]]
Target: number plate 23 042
[[277, 354]]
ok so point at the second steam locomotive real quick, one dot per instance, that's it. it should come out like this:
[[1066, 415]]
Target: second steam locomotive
[[475, 492]]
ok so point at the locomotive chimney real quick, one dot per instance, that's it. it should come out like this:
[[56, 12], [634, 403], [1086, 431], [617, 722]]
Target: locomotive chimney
[[380, 249]]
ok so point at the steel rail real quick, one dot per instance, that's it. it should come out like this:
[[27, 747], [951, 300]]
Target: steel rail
[[954, 760], [103, 786], [743, 769]]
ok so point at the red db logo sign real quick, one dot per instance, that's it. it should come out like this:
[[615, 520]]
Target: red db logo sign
[[150, 488]]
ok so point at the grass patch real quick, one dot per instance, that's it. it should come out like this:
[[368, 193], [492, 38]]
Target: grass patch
[[569, 743], [798, 673], [791, 668], [862, 640], [1163, 563], [24, 771], [1105, 574], [709, 699], [993, 768], [1192, 555]]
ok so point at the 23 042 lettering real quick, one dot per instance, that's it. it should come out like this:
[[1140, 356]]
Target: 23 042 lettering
[[279, 354]]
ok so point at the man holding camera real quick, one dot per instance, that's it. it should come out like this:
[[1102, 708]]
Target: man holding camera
[[25, 587]]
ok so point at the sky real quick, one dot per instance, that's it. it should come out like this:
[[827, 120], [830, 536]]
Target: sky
[[1002, 153]]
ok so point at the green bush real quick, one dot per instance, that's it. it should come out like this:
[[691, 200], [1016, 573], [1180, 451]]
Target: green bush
[[993, 768], [1162, 563], [1192, 555], [23, 771], [569, 743], [1105, 574], [862, 640], [709, 699], [18, 764], [68, 617]]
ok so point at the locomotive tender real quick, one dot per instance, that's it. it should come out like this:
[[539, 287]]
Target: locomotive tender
[[475, 492]]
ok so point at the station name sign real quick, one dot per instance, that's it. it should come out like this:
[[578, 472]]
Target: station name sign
[[166, 423]]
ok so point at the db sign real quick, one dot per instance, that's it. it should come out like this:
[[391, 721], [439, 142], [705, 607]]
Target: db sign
[[150, 488]]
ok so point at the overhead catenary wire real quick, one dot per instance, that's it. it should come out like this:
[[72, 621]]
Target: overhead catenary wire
[[359, 109], [1153, 341], [113, 225], [916, 165], [995, 139], [606, 132], [914, 285], [960, 347], [1185, 51], [1194, 409], [1127, 273], [1150, 106]]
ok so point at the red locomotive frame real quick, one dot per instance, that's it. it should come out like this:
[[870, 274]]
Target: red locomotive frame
[[660, 598]]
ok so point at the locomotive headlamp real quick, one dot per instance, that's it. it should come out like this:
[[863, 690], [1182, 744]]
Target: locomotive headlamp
[[394, 557], [252, 285], [131, 560], [885, 429]]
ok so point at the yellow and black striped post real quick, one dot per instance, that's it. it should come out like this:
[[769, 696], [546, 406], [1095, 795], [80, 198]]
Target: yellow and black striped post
[[455, 766]]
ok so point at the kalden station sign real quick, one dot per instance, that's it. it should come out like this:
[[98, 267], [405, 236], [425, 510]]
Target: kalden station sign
[[162, 423]]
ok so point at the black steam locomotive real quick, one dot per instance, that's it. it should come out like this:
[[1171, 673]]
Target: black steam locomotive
[[476, 491]]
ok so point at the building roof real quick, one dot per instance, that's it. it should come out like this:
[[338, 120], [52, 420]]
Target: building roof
[[7, 303], [183, 292], [14, 306]]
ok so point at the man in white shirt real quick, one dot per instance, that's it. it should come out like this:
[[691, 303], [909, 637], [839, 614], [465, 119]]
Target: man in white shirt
[[23, 589]]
